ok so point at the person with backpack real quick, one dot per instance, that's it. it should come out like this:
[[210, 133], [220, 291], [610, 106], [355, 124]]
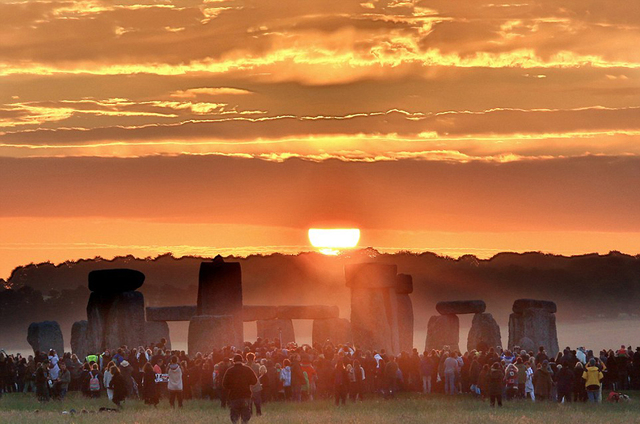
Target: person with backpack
[[511, 380], [94, 382]]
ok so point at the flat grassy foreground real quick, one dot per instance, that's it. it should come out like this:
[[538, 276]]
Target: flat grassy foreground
[[24, 409]]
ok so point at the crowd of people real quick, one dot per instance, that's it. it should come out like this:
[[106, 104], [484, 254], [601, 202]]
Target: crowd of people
[[304, 373]]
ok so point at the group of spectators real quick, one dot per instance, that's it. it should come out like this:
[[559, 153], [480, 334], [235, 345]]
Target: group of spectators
[[303, 373]]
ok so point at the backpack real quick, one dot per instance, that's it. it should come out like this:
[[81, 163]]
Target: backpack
[[94, 383]]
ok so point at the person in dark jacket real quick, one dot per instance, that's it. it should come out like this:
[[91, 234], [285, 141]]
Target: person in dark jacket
[[118, 385], [496, 384], [340, 383], [566, 378], [237, 381], [543, 382], [149, 388]]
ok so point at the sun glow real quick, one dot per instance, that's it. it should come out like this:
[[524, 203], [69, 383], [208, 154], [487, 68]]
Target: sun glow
[[330, 241]]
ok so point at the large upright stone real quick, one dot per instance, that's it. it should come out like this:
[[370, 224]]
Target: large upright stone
[[404, 286], [115, 280], [208, 332], [79, 339], [374, 306], [115, 319], [336, 330], [154, 331], [220, 293], [44, 336], [534, 326], [484, 333], [443, 330], [461, 307], [274, 329], [125, 323]]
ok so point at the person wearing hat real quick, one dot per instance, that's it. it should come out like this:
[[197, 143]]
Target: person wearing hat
[[237, 381]]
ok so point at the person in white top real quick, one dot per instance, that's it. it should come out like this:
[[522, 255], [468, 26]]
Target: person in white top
[[175, 382], [528, 385]]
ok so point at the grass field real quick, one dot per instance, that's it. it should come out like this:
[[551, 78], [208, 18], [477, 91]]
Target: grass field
[[24, 409]]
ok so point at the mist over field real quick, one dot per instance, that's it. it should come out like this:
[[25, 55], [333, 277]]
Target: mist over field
[[597, 295]]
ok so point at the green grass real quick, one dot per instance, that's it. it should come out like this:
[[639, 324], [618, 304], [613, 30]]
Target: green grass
[[24, 409]]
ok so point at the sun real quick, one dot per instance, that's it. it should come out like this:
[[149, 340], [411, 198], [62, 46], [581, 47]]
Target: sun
[[329, 241]]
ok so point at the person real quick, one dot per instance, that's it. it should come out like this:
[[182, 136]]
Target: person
[[106, 379], [62, 383], [42, 379], [149, 388], [450, 371], [528, 385], [542, 382], [565, 380], [593, 377], [511, 380], [118, 385], [29, 375], [256, 390], [126, 370], [94, 381], [483, 381], [237, 381], [175, 385], [340, 383], [285, 377], [496, 385]]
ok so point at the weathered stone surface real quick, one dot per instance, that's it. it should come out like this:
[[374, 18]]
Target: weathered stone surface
[[538, 325], [371, 275], [220, 293], [521, 304], [484, 333], [97, 311], [207, 332], [115, 280], [46, 335], [461, 307], [171, 313], [272, 329], [258, 312], [337, 330], [404, 284], [405, 322], [79, 339], [155, 331], [527, 344], [370, 325], [308, 312], [125, 324], [443, 330]]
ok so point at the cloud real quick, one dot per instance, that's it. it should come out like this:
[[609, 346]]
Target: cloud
[[191, 93]]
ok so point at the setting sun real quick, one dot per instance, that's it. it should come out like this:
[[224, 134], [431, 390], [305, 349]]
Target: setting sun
[[328, 241]]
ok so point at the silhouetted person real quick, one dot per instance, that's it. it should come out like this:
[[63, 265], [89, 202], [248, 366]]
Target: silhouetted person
[[237, 381]]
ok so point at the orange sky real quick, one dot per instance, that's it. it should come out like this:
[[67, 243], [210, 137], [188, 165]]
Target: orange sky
[[203, 127]]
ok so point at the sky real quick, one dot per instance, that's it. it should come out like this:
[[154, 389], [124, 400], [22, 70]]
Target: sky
[[204, 127]]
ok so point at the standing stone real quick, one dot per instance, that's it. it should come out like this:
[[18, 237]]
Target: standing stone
[[125, 322], [484, 333], [46, 335], [336, 330], [443, 330], [272, 328], [374, 306], [156, 330], [208, 332], [538, 325], [220, 293], [404, 286], [79, 339]]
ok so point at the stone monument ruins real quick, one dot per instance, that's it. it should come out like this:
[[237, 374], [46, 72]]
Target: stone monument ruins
[[533, 324], [381, 310]]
